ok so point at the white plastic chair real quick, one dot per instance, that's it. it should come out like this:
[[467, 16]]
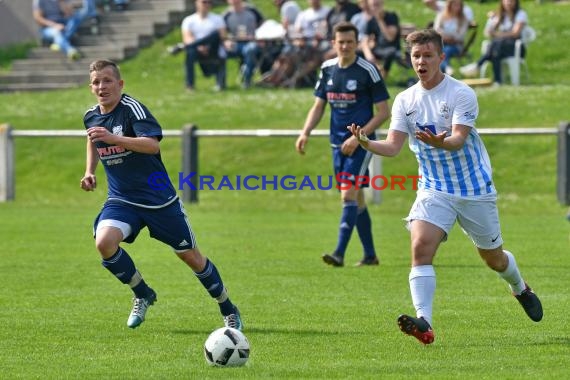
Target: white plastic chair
[[515, 62]]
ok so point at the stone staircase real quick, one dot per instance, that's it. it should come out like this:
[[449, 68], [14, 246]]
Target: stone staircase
[[120, 35]]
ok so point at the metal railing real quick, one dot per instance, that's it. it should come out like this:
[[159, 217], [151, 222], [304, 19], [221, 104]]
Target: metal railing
[[190, 135]]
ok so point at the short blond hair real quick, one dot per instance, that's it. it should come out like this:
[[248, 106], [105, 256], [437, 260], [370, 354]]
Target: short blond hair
[[100, 64], [424, 37]]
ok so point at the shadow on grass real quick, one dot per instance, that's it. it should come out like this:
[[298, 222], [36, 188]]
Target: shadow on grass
[[271, 330]]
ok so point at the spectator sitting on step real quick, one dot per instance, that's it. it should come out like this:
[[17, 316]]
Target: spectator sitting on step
[[202, 36], [361, 19], [452, 25], [297, 63], [440, 5], [342, 11], [503, 28], [121, 5], [241, 22], [381, 44], [59, 21]]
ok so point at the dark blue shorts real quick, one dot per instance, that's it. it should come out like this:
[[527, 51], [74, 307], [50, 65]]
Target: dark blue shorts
[[357, 164], [169, 224]]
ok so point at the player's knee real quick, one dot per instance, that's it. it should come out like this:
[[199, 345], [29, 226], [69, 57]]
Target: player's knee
[[106, 246], [423, 250], [194, 259], [495, 258]]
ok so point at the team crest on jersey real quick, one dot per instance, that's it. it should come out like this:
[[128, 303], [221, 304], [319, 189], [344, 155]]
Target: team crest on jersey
[[118, 130], [444, 111], [351, 84]]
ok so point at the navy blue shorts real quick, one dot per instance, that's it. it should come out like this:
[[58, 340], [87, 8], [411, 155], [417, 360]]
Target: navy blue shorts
[[357, 164], [169, 224]]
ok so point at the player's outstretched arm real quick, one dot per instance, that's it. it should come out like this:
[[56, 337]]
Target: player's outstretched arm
[[313, 118], [389, 147], [89, 181]]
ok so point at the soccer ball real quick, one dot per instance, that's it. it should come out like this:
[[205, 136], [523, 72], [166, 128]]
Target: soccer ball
[[226, 347]]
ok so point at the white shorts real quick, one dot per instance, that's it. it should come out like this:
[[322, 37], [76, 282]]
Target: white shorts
[[477, 216]]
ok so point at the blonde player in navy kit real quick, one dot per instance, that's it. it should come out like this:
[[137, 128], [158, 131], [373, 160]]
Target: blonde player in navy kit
[[124, 136], [438, 116], [357, 94]]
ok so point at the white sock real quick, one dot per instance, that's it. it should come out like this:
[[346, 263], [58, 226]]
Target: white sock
[[512, 275], [422, 288]]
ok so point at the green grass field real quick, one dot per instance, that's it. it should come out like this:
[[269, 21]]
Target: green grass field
[[62, 316]]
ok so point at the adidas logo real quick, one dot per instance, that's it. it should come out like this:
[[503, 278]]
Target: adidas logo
[[182, 243]]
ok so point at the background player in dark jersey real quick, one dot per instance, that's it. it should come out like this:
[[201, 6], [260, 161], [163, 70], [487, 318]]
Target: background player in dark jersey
[[124, 135], [354, 89]]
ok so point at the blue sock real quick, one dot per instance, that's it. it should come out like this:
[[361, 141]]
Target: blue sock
[[347, 222], [364, 228], [123, 267], [211, 280]]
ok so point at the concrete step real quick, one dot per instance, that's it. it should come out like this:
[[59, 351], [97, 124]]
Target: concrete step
[[60, 62], [181, 5], [43, 76], [114, 52], [153, 4], [119, 39], [120, 35], [36, 86], [139, 26], [135, 17]]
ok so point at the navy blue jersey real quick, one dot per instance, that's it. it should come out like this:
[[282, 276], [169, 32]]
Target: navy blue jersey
[[351, 93], [131, 175]]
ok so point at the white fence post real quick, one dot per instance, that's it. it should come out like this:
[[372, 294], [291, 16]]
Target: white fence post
[[6, 163], [372, 195]]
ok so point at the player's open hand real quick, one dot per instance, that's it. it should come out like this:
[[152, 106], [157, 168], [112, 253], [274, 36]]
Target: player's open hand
[[357, 132], [301, 142], [428, 137], [88, 182]]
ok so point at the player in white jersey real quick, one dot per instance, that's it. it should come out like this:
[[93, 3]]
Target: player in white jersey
[[438, 116]]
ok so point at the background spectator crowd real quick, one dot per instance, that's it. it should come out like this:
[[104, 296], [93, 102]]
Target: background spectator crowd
[[289, 52]]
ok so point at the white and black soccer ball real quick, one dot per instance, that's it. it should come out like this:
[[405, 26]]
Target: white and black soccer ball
[[226, 347]]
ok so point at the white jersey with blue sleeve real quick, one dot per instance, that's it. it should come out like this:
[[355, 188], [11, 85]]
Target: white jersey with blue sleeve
[[465, 172]]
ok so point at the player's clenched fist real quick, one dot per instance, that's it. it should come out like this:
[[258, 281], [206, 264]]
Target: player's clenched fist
[[88, 182]]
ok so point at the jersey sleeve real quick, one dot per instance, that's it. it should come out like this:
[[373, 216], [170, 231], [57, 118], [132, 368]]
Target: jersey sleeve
[[143, 122], [379, 91], [320, 86], [398, 119], [466, 109]]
